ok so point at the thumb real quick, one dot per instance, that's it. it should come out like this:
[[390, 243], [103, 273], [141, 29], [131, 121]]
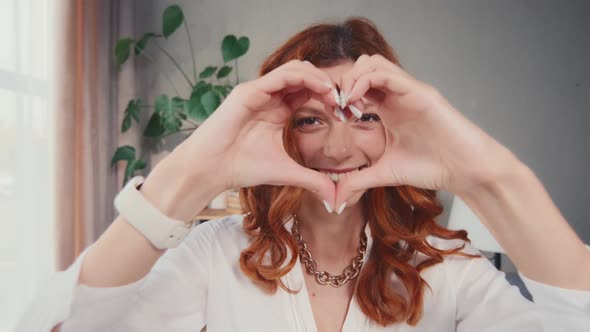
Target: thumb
[[319, 184], [356, 182]]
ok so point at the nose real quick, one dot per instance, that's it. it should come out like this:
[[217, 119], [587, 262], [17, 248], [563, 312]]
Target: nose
[[338, 143]]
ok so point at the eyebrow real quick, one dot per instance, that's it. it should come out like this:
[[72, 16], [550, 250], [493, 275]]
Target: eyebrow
[[312, 110]]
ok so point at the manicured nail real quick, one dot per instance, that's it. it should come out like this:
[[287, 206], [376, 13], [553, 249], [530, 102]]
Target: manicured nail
[[336, 96], [355, 111], [342, 99], [339, 114], [341, 208], [328, 207]]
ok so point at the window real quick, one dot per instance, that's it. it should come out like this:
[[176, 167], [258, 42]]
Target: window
[[26, 145]]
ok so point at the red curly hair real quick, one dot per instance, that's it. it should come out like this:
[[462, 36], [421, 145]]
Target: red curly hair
[[388, 210]]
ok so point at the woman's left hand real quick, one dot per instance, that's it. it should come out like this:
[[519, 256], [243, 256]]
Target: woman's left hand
[[429, 144]]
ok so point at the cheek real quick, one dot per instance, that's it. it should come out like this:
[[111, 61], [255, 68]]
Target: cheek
[[308, 145], [373, 142]]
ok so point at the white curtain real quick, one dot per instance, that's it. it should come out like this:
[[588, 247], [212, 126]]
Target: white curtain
[[26, 150], [60, 105]]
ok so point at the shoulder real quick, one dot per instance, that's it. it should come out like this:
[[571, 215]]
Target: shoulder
[[223, 231], [449, 244]]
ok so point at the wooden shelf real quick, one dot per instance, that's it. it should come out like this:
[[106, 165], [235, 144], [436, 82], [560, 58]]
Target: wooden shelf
[[209, 214]]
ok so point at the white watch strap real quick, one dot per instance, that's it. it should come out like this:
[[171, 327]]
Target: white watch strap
[[161, 230]]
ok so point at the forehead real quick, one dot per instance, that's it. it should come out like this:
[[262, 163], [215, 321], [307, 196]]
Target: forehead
[[336, 71]]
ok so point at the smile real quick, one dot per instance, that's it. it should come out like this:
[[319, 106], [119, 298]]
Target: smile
[[337, 175]]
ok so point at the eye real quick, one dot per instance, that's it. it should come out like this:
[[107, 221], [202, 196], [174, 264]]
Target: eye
[[368, 116], [305, 122]]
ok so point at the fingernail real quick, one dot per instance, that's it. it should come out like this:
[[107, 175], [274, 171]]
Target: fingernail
[[328, 207], [339, 114], [329, 85], [341, 208], [342, 99], [355, 111], [336, 96]]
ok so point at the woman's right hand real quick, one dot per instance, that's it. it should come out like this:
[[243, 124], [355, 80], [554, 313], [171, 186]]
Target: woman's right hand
[[241, 143]]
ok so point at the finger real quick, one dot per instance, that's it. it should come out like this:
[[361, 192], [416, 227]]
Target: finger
[[306, 66], [298, 66], [372, 177], [318, 72], [276, 81], [289, 80], [357, 108], [365, 64], [330, 100], [299, 98], [384, 81], [347, 79], [317, 183]]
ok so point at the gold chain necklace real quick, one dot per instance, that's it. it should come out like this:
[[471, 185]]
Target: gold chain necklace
[[323, 277]]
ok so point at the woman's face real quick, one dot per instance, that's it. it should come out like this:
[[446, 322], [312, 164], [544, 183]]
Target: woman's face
[[327, 144]]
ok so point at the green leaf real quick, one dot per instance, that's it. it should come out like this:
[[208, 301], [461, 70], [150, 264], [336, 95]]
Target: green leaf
[[135, 115], [154, 127], [220, 90], [194, 108], [233, 48], [163, 104], [210, 101], [131, 112], [126, 152], [224, 71], [122, 50], [201, 87], [126, 124], [172, 18], [228, 89], [210, 70], [132, 166], [142, 43], [169, 110]]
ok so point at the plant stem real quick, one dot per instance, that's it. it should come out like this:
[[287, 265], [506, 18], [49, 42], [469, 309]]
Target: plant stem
[[190, 44], [172, 133], [237, 76], [192, 122], [175, 63], [146, 55]]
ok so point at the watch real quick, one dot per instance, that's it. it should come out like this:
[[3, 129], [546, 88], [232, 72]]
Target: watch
[[162, 231]]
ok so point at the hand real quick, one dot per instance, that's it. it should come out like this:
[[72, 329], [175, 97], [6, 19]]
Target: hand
[[242, 143], [429, 144]]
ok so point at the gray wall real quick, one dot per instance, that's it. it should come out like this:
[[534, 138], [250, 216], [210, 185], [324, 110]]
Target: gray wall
[[517, 69]]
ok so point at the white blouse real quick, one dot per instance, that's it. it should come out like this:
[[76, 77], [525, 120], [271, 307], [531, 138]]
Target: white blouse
[[200, 283]]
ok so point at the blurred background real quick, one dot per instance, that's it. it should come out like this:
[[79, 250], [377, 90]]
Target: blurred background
[[80, 82]]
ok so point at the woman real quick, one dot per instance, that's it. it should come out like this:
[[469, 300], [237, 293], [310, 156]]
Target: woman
[[339, 153]]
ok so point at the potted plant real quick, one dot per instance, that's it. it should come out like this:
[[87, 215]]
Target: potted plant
[[175, 114]]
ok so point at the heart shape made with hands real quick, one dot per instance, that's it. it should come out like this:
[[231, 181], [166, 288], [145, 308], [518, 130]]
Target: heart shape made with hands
[[343, 113], [410, 157], [429, 144]]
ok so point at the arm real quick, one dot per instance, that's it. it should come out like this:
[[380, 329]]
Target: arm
[[518, 211], [122, 255], [120, 261]]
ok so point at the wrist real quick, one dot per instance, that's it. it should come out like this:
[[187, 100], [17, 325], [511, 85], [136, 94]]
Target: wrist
[[500, 167], [177, 192]]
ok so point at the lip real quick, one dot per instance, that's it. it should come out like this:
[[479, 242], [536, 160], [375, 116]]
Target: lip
[[339, 171]]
